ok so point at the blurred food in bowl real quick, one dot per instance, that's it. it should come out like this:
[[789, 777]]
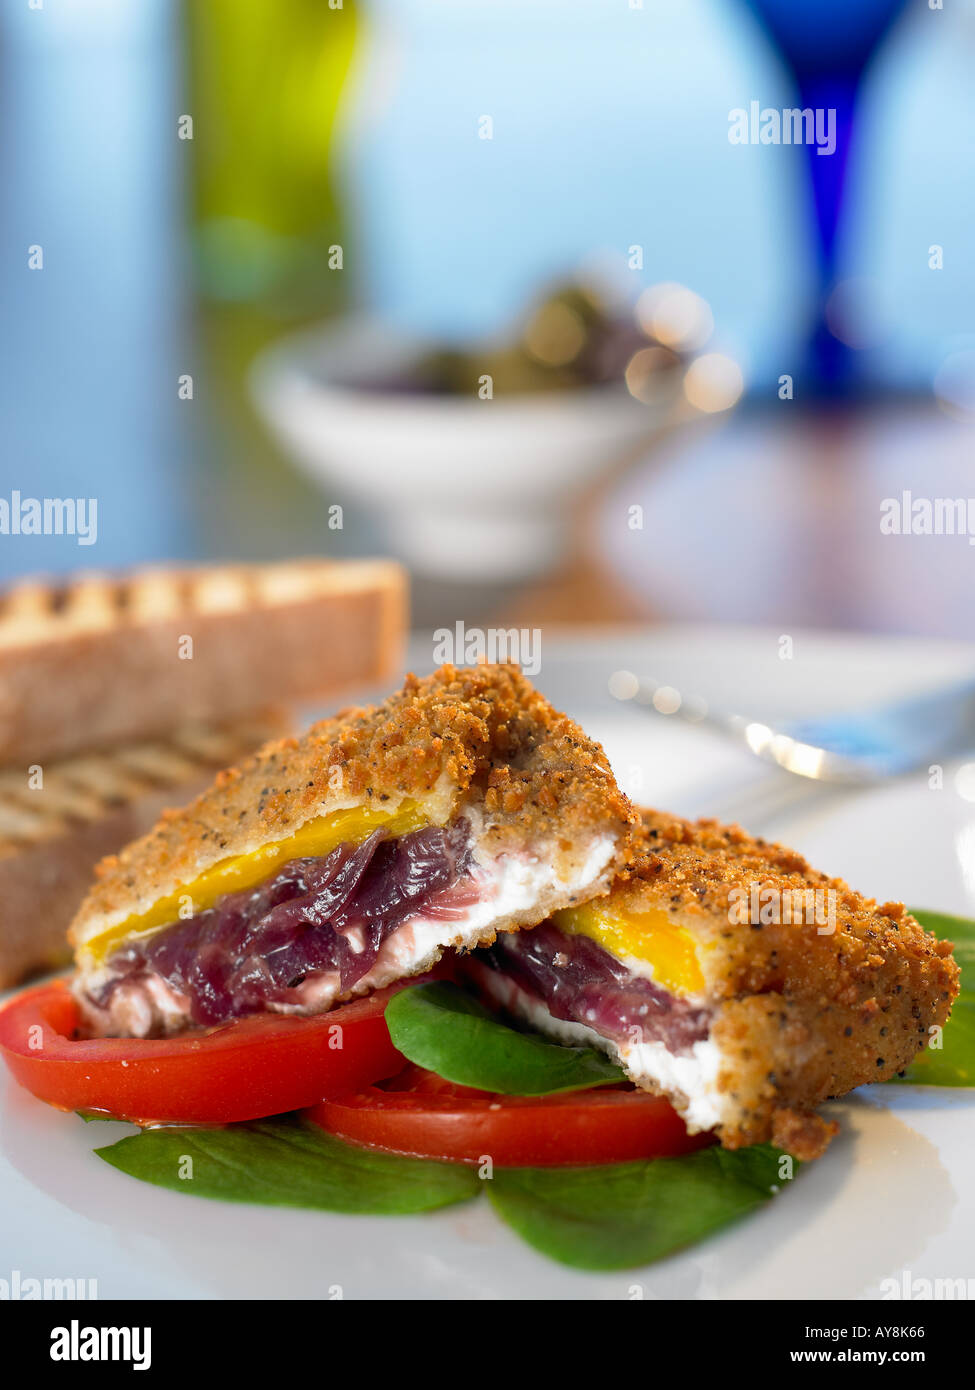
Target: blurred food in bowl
[[573, 337], [473, 456]]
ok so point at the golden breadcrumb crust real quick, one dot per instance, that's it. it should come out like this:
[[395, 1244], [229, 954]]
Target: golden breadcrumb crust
[[478, 738], [804, 1013]]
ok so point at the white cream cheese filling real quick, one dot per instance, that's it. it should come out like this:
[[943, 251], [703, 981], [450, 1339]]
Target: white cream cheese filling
[[510, 888], [690, 1079]]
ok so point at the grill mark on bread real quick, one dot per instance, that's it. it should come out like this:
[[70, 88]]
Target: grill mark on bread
[[46, 856], [93, 598], [95, 662], [78, 791]]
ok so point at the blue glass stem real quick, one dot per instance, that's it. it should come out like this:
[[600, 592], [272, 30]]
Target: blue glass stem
[[831, 362]]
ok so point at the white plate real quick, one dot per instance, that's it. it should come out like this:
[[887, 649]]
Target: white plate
[[893, 1194]]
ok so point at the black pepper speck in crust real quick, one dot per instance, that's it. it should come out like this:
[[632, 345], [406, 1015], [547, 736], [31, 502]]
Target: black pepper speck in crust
[[480, 738], [801, 1015]]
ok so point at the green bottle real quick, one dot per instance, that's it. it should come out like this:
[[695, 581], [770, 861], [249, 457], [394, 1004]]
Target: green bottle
[[265, 83]]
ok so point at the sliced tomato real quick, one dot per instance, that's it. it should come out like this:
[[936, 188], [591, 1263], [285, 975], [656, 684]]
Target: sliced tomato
[[420, 1114], [244, 1070]]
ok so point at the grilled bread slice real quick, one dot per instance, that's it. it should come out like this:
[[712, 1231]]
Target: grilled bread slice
[[101, 659], [56, 822], [326, 866], [725, 973]]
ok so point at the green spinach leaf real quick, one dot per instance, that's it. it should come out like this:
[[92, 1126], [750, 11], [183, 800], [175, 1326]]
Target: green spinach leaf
[[633, 1213], [952, 1064], [286, 1163], [439, 1027]]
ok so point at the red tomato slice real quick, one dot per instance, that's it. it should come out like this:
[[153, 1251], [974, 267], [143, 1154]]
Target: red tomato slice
[[420, 1114], [252, 1067]]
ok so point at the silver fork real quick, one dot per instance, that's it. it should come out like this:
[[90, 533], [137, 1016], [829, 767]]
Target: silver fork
[[856, 748]]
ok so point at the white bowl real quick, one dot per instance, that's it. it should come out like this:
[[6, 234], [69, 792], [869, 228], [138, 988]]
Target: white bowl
[[466, 488]]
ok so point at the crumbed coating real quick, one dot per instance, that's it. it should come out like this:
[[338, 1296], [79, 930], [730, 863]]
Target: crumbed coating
[[803, 1013], [477, 738]]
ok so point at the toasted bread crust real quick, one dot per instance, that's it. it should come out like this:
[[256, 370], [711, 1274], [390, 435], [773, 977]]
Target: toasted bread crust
[[480, 737], [99, 659], [803, 1014]]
